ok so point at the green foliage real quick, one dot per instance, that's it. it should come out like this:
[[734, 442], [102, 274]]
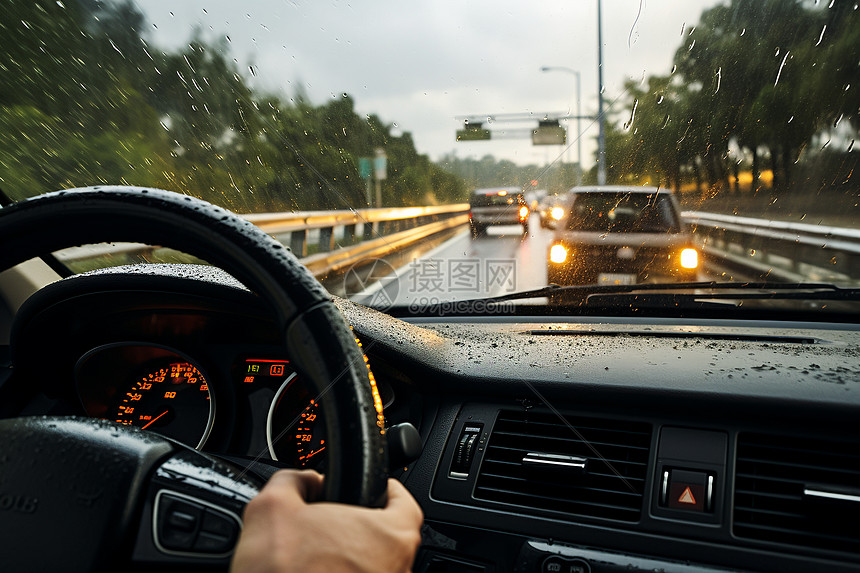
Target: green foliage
[[86, 100], [755, 79]]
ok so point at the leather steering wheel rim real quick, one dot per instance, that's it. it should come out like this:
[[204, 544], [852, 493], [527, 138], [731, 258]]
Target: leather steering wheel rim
[[322, 347]]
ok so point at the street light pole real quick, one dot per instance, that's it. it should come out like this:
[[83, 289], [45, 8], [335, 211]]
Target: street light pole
[[578, 132], [578, 116], [601, 137]]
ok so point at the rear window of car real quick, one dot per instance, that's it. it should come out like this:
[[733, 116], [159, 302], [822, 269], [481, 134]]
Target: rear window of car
[[623, 213], [495, 200]]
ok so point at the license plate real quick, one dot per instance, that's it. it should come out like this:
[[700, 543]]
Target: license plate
[[616, 279]]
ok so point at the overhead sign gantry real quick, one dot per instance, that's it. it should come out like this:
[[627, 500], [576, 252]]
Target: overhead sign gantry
[[547, 132]]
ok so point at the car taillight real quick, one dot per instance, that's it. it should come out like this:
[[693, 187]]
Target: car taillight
[[524, 212], [557, 213]]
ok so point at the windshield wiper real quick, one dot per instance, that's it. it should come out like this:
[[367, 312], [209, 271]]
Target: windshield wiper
[[780, 301], [678, 293]]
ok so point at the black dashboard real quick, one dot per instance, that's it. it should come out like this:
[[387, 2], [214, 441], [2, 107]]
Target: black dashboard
[[549, 444]]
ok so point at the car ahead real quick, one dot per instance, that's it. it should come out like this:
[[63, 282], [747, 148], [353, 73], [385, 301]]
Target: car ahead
[[550, 210], [621, 235], [497, 206]]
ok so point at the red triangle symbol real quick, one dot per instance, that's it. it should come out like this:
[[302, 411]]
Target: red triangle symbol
[[687, 497]]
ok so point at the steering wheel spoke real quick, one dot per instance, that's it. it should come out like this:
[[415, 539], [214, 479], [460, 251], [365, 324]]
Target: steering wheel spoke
[[192, 513]]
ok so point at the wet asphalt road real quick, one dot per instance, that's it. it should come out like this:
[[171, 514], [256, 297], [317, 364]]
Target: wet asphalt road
[[501, 262]]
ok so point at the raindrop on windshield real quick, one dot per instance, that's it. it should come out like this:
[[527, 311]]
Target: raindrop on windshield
[[629, 122], [821, 37]]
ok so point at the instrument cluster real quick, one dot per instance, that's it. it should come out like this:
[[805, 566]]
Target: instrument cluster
[[164, 390]]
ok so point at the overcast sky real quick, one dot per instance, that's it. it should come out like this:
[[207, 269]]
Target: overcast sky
[[421, 65]]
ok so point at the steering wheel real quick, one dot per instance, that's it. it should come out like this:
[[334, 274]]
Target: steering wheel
[[72, 490]]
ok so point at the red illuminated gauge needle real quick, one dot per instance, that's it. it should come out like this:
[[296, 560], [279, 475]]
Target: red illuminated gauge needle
[[307, 456], [152, 421]]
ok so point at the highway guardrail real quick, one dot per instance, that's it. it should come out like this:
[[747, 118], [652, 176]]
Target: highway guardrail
[[342, 238], [778, 250]]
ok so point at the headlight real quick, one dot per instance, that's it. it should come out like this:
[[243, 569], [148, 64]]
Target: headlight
[[689, 258], [558, 254], [524, 212], [557, 213]]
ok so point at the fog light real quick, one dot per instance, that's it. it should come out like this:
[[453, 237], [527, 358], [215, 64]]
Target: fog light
[[524, 212], [689, 258], [558, 254], [557, 213]]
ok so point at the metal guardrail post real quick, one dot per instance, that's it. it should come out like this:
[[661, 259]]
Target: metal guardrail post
[[326, 241], [299, 243], [349, 233], [367, 230]]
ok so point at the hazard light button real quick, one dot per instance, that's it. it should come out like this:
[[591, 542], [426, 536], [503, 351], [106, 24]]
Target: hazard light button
[[688, 490]]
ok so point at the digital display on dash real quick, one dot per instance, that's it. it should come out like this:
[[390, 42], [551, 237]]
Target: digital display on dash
[[256, 369]]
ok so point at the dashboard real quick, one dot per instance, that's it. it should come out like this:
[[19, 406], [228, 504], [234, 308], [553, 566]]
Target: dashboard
[[549, 444]]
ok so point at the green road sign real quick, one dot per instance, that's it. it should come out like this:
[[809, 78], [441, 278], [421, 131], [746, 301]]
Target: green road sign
[[365, 167]]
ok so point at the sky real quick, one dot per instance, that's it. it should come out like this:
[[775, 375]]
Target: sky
[[422, 66]]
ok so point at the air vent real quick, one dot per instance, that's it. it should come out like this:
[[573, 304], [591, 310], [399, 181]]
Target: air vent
[[798, 492], [616, 461]]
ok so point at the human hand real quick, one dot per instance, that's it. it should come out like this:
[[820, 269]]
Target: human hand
[[283, 532]]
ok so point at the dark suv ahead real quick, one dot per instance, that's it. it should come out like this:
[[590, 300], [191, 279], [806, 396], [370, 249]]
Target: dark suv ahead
[[621, 235], [497, 206]]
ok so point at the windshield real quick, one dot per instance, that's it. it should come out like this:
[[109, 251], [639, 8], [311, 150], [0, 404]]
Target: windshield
[[362, 133]]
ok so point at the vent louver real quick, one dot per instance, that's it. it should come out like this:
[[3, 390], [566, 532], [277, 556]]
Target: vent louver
[[799, 492], [599, 492]]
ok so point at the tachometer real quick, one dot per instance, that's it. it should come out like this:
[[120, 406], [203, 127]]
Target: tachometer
[[295, 432], [149, 387]]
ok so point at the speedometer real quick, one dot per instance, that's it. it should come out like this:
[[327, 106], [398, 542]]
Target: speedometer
[[147, 386], [169, 397]]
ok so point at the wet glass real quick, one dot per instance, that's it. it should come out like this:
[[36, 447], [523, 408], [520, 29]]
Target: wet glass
[[747, 112]]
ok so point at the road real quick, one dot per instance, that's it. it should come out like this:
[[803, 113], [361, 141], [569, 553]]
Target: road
[[501, 262]]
